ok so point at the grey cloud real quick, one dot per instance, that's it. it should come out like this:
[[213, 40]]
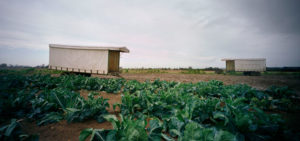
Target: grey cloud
[[170, 33], [270, 15]]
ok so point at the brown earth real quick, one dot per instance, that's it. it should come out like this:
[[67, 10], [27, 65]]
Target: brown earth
[[62, 131]]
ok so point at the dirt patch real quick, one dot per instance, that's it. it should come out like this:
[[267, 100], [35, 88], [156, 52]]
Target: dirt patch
[[112, 99], [62, 131]]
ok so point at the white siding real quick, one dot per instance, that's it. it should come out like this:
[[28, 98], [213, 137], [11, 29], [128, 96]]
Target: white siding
[[250, 65], [79, 60]]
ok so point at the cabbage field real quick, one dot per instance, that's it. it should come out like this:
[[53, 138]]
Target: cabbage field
[[150, 110]]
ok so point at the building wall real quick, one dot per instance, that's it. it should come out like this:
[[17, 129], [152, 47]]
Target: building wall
[[250, 65], [79, 60]]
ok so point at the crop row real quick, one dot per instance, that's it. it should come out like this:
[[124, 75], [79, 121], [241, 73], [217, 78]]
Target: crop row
[[149, 110], [198, 111]]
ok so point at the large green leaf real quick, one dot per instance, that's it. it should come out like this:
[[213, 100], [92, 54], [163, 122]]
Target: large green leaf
[[224, 136], [84, 134], [13, 124], [193, 131]]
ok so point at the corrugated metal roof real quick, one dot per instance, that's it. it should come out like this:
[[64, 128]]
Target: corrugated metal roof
[[121, 49], [245, 59]]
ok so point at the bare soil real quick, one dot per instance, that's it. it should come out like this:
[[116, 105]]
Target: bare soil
[[62, 131]]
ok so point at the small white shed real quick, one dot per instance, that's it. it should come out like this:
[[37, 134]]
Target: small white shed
[[85, 59], [246, 65]]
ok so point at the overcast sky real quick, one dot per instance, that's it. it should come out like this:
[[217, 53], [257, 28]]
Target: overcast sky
[[158, 33]]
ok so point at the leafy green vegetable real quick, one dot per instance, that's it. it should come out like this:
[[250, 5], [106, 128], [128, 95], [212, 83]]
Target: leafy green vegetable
[[200, 111], [12, 131]]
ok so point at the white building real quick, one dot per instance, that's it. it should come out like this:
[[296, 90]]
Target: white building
[[85, 59], [246, 65]]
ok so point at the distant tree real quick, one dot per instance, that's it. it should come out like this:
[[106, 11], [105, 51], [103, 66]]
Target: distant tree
[[3, 65]]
